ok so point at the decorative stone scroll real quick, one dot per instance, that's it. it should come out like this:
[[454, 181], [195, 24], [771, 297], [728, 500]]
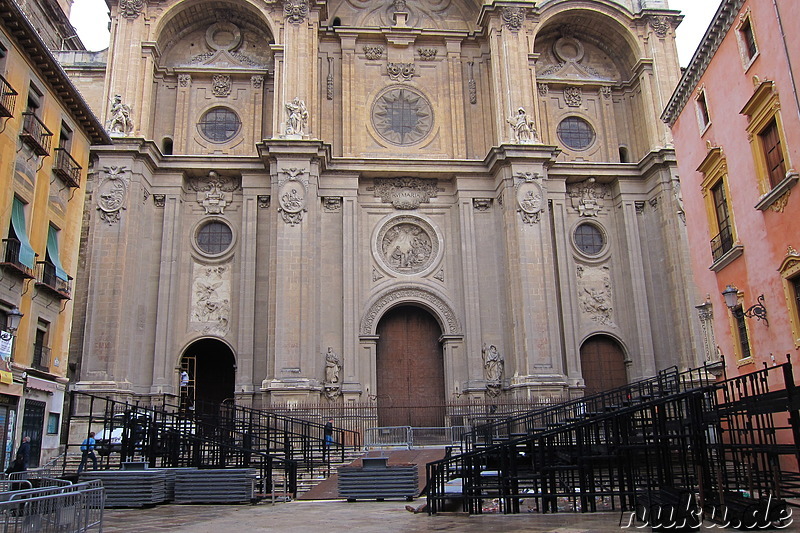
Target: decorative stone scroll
[[295, 11], [407, 245], [400, 71], [481, 204], [292, 196], [513, 18], [427, 54], [586, 197], [112, 194], [184, 80], [214, 192], [211, 299], [131, 9], [530, 199], [660, 25], [405, 193], [332, 204], [410, 293], [594, 293], [221, 85]]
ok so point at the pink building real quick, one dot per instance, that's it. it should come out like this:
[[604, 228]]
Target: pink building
[[735, 117]]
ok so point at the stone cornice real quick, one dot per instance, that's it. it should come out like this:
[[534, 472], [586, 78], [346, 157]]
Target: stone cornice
[[717, 30]]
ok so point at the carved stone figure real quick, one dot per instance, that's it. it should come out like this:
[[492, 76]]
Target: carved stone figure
[[493, 369], [524, 130], [120, 121], [297, 118], [333, 367], [211, 293], [406, 248]]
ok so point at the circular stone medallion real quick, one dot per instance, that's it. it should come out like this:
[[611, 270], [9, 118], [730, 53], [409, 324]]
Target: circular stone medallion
[[402, 116], [407, 244]]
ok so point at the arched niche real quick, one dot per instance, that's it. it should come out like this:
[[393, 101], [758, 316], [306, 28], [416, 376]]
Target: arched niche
[[410, 295], [434, 14]]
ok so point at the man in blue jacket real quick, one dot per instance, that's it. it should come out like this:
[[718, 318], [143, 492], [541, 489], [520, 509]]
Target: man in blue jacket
[[87, 449]]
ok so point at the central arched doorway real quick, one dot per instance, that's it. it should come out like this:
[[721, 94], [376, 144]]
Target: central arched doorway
[[602, 364], [211, 369], [410, 369]]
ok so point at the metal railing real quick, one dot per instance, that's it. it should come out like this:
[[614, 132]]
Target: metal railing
[[74, 508], [35, 134], [46, 277], [11, 249], [721, 243], [409, 437], [67, 168], [8, 97]]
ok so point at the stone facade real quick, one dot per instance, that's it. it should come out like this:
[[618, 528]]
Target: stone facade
[[500, 166]]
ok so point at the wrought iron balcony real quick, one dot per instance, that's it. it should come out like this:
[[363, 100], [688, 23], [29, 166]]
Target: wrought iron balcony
[[35, 134], [8, 96], [67, 168], [47, 279], [10, 259], [722, 243], [41, 358]]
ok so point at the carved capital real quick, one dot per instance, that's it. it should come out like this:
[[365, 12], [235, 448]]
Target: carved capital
[[131, 9], [295, 11], [513, 17]]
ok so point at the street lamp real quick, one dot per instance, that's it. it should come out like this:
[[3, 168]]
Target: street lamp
[[758, 310], [14, 317]]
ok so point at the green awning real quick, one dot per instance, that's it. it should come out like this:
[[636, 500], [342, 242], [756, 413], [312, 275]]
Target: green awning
[[26, 254], [52, 251]]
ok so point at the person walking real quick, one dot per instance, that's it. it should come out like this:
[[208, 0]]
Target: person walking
[[328, 433], [87, 449], [23, 457]]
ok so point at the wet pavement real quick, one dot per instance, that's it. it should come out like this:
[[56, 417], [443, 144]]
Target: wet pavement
[[357, 517]]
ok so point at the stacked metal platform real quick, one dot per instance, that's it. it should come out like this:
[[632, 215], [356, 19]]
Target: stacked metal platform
[[131, 488], [236, 485]]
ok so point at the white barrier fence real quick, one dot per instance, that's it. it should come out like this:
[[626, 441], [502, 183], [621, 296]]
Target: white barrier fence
[[74, 508]]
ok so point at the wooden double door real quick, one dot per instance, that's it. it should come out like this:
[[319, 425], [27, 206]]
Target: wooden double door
[[410, 369], [602, 365]]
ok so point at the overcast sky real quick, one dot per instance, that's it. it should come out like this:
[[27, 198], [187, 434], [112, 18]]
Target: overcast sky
[[90, 17]]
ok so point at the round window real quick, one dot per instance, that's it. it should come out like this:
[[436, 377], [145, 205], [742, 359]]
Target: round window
[[575, 133], [589, 239], [214, 237], [219, 125]]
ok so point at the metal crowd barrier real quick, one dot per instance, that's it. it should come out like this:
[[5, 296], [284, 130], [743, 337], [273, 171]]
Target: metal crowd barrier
[[74, 508]]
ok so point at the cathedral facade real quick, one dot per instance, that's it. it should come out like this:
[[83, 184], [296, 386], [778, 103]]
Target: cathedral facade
[[406, 202]]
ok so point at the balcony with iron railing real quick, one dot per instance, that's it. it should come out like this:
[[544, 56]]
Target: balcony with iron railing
[[67, 168], [8, 97], [10, 259], [721, 243], [41, 358], [46, 278], [35, 134]]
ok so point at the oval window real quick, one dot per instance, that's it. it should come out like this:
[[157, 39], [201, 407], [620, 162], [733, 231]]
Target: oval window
[[219, 125], [214, 238], [575, 133], [589, 239]]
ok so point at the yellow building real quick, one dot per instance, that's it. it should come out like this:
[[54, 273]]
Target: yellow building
[[46, 130]]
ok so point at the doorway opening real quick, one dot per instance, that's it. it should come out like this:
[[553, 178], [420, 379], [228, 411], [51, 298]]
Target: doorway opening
[[210, 369]]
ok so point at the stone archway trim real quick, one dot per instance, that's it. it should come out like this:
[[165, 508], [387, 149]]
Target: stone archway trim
[[410, 294]]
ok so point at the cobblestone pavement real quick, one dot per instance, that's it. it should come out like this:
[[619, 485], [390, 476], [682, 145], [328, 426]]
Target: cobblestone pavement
[[357, 517]]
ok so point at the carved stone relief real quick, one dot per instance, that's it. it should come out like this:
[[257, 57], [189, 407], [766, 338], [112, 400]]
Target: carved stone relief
[[405, 193], [292, 196], [573, 96], [131, 9], [296, 118], [594, 293], [543, 89], [211, 299], [373, 52], [332, 204], [184, 80], [376, 275], [214, 192], [400, 71], [427, 54], [407, 244], [587, 197], [440, 275], [257, 81], [481, 204], [605, 92], [159, 200], [660, 25], [513, 18], [570, 59], [471, 85], [264, 201], [112, 194], [329, 80], [705, 313], [221, 85], [406, 294], [295, 11], [530, 199]]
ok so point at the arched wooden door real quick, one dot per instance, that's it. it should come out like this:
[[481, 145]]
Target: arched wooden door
[[602, 364], [410, 369]]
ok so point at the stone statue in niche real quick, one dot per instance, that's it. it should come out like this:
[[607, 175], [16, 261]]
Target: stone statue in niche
[[333, 368], [120, 123], [523, 127], [297, 117], [493, 369]]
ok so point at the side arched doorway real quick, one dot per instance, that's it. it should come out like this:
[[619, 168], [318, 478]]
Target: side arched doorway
[[211, 369], [602, 364], [410, 369]]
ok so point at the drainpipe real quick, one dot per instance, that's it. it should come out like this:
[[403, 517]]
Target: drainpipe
[[788, 58]]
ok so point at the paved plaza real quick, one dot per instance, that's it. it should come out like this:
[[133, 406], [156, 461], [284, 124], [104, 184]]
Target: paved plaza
[[357, 517]]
